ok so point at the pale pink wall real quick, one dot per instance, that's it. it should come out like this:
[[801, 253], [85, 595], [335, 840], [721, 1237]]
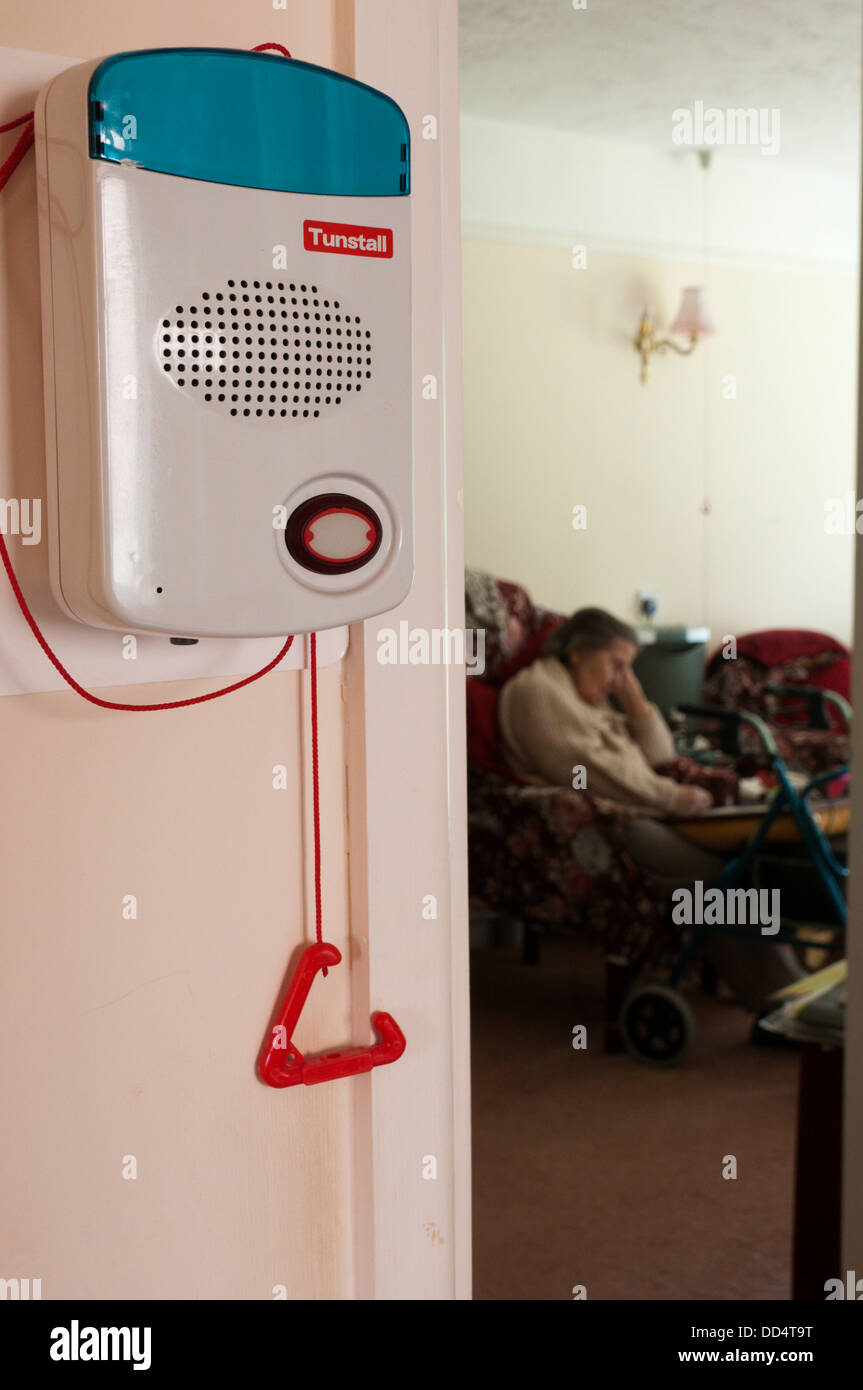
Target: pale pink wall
[[139, 1037], [317, 30]]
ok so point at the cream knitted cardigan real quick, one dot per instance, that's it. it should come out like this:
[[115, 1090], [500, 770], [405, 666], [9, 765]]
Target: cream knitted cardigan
[[547, 731]]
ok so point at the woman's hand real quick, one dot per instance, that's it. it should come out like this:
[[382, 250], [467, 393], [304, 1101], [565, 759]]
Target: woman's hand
[[629, 692], [691, 801]]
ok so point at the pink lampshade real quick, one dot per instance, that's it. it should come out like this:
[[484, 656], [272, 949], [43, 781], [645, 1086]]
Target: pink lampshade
[[693, 316]]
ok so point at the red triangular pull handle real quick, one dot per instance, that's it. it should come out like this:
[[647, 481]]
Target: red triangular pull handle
[[282, 1064]]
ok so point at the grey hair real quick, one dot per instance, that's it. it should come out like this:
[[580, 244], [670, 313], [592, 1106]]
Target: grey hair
[[588, 630]]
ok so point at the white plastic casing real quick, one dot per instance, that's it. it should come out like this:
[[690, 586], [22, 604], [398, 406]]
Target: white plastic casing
[[163, 508]]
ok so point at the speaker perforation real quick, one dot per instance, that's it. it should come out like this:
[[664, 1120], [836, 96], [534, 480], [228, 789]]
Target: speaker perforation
[[245, 360]]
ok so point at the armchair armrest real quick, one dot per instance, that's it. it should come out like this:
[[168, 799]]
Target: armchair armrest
[[816, 702], [730, 721]]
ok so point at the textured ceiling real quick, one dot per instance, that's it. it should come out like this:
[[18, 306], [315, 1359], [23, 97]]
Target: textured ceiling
[[619, 68]]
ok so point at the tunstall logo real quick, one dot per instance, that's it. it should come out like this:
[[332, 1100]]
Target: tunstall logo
[[344, 239]]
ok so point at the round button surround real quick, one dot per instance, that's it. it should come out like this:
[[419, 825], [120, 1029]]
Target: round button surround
[[299, 536]]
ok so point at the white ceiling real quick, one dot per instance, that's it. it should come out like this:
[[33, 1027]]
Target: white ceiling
[[619, 68]]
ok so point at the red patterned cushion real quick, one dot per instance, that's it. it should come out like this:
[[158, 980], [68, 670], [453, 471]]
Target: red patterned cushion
[[483, 743], [531, 650], [777, 645], [834, 675]]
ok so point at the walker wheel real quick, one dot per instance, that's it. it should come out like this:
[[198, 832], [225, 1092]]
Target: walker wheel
[[656, 1024]]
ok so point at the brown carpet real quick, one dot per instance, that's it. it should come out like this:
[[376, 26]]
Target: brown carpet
[[603, 1171]]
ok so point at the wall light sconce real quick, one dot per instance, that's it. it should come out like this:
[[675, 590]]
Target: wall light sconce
[[693, 320]]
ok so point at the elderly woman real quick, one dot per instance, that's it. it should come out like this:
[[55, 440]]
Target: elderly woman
[[554, 717]]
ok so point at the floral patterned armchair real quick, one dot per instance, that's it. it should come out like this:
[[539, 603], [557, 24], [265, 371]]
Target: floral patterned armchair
[[548, 856], [745, 675]]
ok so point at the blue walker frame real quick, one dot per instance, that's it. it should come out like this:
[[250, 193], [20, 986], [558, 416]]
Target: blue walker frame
[[831, 873]]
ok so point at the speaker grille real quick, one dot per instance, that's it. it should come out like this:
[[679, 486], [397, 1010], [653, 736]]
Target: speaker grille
[[263, 349]]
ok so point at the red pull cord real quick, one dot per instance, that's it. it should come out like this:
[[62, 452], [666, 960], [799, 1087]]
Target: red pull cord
[[316, 790], [25, 140], [116, 704], [279, 48]]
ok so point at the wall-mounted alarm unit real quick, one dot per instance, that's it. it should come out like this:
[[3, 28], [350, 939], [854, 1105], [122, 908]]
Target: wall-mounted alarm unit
[[225, 251]]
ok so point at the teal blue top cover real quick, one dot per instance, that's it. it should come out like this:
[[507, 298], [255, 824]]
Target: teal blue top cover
[[256, 120]]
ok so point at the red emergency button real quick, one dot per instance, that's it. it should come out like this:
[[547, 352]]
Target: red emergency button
[[333, 533]]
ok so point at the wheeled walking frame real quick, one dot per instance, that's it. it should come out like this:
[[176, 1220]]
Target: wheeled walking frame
[[656, 1022]]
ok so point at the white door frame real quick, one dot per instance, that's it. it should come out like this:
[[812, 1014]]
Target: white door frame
[[406, 743]]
